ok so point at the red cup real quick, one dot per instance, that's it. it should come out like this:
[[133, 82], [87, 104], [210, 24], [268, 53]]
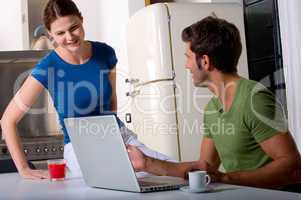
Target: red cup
[[57, 169]]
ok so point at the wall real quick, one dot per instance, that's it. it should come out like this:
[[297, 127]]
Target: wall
[[206, 1], [11, 25], [91, 15], [290, 27], [193, 1], [35, 11], [227, 1]]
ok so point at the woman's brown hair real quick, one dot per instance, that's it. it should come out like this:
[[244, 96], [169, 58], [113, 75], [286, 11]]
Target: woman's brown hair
[[59, 8]]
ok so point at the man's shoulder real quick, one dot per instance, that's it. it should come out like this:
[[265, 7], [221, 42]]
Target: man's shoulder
[[253, 85], [251, 89], [248, 85]]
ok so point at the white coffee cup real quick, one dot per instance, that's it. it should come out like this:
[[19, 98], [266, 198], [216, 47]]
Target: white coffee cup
[[198, 179]]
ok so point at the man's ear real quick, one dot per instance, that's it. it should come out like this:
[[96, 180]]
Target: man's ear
[[205, 62]]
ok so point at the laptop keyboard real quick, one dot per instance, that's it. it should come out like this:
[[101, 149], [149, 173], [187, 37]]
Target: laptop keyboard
[[146, 183]]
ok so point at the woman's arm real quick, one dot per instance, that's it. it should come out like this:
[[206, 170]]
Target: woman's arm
[[14, 112], [112, 78]]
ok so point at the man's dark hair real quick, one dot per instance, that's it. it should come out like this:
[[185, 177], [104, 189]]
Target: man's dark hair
[[218, 39]]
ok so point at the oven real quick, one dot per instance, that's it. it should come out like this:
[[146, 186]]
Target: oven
[[39, 129]]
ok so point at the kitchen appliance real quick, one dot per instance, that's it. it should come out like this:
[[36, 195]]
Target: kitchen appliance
[[166, 108], [39, 129]]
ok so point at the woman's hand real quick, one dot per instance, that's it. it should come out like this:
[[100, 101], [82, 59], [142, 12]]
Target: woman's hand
[[28, 173], [137, 158]]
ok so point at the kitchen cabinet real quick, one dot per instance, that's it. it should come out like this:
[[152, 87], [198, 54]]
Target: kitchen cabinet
[[264, 46]]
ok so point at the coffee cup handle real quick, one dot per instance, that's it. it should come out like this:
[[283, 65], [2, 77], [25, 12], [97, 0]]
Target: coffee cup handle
[[208, 179]]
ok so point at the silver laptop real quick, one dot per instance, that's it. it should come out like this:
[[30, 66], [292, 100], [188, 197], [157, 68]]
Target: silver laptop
[[103, 158]]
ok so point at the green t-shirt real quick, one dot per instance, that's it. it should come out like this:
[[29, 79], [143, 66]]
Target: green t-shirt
[[253, 117]]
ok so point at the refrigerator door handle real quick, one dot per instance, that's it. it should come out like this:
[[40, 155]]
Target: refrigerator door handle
[[133, 93], [153, 81], [132, 80]]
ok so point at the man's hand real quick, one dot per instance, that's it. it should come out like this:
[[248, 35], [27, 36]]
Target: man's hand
[[28, 173], [215, 175], [137, 158], [194, 166], [200, 165]]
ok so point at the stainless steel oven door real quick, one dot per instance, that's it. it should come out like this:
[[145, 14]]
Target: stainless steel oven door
[[41, 120]]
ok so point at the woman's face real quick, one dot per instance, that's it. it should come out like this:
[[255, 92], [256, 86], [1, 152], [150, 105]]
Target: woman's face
[[68, 32]]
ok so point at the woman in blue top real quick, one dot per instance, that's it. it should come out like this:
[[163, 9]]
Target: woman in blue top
[[80, 77]]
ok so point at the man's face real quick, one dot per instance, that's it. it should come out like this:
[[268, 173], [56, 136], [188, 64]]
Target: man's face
[[198, 75]]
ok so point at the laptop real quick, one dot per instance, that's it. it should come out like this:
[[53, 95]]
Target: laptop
[[103, 158]]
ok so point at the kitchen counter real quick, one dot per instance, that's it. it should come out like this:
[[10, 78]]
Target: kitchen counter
[[12, 186]]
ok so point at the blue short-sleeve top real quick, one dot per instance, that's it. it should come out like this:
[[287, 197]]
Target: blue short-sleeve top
[[78, 90]]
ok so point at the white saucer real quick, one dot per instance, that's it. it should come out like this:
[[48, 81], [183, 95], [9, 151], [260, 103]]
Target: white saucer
[[187, 189]]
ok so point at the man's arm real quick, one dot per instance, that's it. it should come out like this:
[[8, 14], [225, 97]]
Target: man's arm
[[142, 162], [283, 170], [208, 157], [209, 153]]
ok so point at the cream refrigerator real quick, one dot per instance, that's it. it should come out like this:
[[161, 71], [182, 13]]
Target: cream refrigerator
[[166, 107]]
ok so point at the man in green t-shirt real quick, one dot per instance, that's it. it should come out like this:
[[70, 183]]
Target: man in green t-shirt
[[245, 127]]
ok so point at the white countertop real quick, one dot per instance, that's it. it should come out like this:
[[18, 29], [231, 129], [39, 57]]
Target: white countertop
[[12, 186]]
